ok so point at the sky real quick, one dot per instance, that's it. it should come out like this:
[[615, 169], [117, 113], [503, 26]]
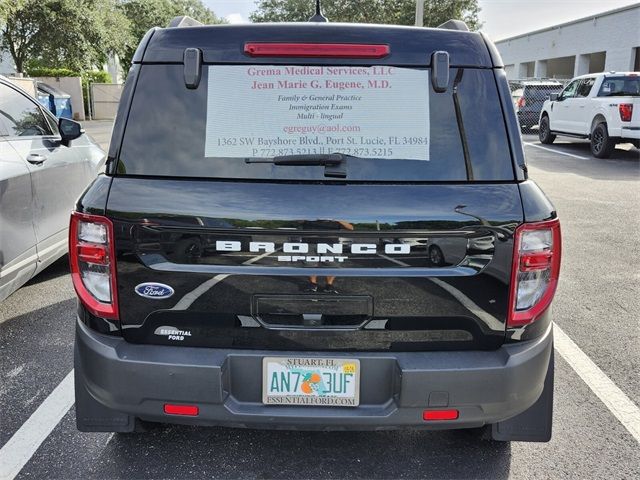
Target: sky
[[502, 18]]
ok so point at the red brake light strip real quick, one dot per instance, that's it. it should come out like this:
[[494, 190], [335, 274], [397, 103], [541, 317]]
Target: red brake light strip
[[330, 50]]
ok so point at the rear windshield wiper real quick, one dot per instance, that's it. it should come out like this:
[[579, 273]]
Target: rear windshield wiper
[[460, 122], [334, 163]]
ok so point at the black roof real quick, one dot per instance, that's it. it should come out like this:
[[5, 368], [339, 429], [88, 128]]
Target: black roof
[[225, 43]]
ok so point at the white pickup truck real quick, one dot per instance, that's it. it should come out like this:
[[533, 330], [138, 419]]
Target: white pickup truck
[[603, 107]]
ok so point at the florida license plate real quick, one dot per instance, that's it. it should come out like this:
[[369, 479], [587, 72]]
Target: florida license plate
[[326, 382]]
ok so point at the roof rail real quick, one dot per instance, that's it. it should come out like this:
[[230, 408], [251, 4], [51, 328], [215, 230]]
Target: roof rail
[[454, 25], [183, 21]]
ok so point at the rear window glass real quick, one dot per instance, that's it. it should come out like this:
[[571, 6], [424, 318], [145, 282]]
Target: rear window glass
[[539, 93], [627, 86], [389, 120], [317, 109]]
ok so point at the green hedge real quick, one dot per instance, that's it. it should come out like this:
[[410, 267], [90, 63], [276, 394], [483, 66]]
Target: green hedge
[[51, 72]]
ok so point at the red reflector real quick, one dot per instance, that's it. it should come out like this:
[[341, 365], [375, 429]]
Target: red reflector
[[535, 261], [440, 414], [339, 50], [92, 253], [191, 410], [626, 111]]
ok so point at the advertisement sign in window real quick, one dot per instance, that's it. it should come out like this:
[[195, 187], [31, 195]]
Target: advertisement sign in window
[[266, 111]]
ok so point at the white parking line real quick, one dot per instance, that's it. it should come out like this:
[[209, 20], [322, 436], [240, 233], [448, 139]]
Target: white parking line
[[15, 454], [555, 151], [23, 444], [187, 300], [615, 400], [469, 304]]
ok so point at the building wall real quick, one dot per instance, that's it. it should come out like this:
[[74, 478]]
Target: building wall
[[576, 48], [7, 66], [114, 69], [26, 84]]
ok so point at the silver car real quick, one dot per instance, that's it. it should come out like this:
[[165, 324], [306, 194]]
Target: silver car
[[45, 164]]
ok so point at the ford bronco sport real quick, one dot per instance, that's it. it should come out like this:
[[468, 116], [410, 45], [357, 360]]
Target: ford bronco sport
[[315, 226]]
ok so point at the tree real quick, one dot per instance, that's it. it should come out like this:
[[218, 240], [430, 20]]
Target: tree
[[399, 12], [20, 31], [146, 14], [77, 34], [5, 8]]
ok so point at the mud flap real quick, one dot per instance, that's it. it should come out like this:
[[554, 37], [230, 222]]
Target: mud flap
[[92, 416], [534, 424]]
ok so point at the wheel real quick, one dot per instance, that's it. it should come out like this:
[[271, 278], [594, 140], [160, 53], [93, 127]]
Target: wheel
[[601, 144], [544, 132], [436, 257]]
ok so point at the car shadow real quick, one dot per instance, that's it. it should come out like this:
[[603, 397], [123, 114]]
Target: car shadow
[[238, 453], [622, 166], [57, 269], [624, 152]]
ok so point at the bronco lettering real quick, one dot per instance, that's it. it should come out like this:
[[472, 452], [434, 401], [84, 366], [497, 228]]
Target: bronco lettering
[[320, 248]]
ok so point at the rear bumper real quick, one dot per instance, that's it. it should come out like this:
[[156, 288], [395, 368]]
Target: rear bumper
[[528, 118], [137, 380], [627, 132]]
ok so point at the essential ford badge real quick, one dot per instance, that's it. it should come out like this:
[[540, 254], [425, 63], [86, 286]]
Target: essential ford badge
[[158, 291]]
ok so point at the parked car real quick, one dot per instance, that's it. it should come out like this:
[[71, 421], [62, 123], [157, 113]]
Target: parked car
[[529, 98], [54, 100], [45, 164], [603, 107], [308, 167]]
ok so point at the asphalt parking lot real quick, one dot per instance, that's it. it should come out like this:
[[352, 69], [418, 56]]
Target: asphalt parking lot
[[596, 434]]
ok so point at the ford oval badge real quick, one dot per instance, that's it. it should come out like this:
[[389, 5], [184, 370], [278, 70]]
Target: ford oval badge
[[157, 291]]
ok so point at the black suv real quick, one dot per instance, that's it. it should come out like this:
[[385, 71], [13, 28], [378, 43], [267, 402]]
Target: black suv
[[529, 97], [315, 226]]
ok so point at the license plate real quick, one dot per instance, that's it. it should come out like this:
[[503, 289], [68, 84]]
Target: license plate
[[326, 382]]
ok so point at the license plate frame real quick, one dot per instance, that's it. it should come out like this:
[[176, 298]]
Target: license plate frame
[[337, 383]]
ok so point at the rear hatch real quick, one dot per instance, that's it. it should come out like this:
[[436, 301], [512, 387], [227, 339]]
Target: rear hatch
[[226, 236]]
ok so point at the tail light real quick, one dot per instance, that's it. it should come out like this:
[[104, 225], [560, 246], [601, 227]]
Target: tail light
[[536, 268], [521, 102], [92, 259], [626, 111]]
